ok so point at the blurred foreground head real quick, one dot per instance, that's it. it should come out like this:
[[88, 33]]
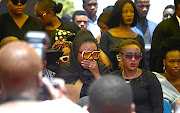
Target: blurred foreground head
[[110, 94], [20, 70]]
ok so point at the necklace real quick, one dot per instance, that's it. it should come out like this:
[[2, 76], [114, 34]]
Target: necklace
[[123, 75]]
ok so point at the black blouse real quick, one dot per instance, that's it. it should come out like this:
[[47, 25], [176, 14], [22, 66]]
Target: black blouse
[[147, 93]]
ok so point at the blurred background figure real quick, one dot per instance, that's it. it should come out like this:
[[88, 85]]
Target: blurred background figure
[[168, 12], [91, 6], [67, 17], [104, 19], [80, 18]]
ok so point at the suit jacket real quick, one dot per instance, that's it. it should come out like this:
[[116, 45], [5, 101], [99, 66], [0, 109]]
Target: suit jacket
[[137, 29], [165, 29]]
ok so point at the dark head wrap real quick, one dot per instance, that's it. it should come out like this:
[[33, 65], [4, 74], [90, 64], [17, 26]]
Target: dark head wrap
[[74, 71]]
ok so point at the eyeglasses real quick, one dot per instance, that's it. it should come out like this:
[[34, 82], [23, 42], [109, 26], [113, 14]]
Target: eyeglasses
[[15, 2], [64, 59], [129, 55], [87, 54], [40, 16]]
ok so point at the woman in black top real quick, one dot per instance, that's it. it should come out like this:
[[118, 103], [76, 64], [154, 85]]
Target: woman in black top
[[84, 64], [15, 22], [56, 28], [123, 16], [147, 92]]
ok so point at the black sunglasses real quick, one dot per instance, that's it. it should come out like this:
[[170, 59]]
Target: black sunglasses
[[129, 55], [15, 2]]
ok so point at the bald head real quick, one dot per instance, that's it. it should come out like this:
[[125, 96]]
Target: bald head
[[20, 68], [110, 94]]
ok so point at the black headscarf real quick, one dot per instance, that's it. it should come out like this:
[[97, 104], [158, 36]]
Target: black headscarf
[[74, 71]]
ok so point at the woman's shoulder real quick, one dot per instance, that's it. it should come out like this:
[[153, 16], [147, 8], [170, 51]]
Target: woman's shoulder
[[148, 75]]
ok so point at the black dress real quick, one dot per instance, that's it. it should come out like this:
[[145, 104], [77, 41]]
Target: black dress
[[9, 28], [109, 42], [147, 93]]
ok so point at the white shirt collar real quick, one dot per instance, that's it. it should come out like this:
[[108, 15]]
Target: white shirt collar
[[178, 19]]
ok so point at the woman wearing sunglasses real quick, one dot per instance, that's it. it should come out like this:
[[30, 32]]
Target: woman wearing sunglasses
[[123, 16], [147, 92], [57, 29], [84, 65], [15, 22]]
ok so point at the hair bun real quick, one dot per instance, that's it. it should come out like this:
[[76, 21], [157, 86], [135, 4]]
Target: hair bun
[[58, 8]]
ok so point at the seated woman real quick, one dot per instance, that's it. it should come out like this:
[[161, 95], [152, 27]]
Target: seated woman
[[147, 92], [84, 65], [170, 78], [15, 22], [124, 16]]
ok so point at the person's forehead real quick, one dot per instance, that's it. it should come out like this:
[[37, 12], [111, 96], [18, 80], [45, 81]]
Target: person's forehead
[[81, 16], [142, 1], [90, 1]]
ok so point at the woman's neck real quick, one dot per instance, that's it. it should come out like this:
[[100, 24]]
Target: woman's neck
[[171, 77], [55, 23], [20, 16], [124, 28], [122, 31], [130, 74]]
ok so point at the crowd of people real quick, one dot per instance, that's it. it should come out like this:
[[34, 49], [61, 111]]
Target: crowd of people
[[119, 62]]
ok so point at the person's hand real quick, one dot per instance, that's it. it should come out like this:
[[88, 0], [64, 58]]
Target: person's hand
[[92, 66], [55, 93]]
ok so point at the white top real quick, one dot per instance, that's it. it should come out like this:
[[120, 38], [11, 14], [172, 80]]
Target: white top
[[94, 28], [62, 105]]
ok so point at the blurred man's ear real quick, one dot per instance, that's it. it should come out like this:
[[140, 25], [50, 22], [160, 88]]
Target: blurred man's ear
[[40, 74], [88, 108], [132, 108]]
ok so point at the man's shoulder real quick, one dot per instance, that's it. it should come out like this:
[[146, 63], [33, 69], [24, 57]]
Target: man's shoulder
[[64, 105], [151, 23]]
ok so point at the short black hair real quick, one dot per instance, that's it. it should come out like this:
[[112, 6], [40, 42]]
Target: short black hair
[[79, 12], [170, 6], [110, 90], [116, 16]]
